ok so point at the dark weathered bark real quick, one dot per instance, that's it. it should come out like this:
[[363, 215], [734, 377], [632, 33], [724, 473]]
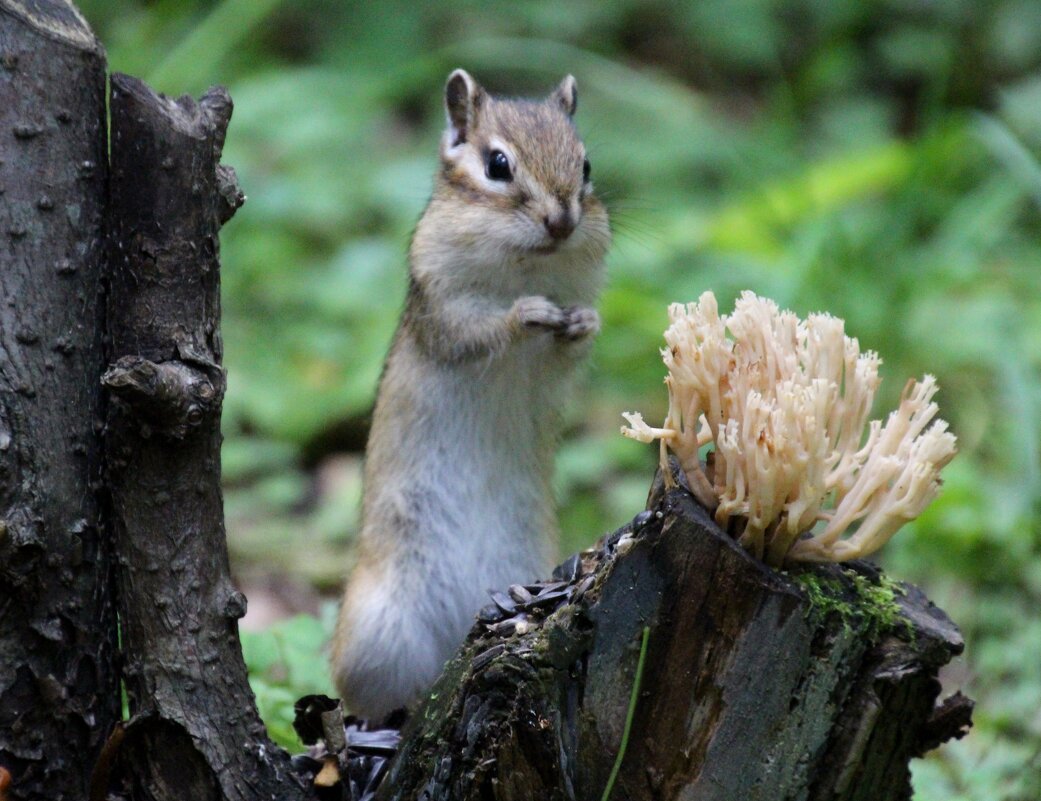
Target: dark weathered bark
[[59, 693], [194, 731], [750, 688]]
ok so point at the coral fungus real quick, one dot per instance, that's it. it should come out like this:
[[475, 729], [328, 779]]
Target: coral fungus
[[785, 404]]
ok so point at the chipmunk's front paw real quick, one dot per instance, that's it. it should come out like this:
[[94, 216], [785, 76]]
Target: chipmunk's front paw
[[580, 322], [536, 311]]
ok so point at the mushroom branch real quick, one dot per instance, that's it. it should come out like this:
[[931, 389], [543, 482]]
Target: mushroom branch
[[784, 404]]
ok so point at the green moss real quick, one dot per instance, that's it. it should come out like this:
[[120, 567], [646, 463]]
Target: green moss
[[865, 607]]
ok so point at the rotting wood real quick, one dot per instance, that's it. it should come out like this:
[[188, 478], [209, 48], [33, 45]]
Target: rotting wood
[[753, 687]]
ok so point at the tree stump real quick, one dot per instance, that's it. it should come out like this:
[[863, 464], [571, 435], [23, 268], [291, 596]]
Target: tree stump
[[819, 683], [59, 689], [194, 730]]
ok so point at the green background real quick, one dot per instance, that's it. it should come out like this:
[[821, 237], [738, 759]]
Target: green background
[[878, 160]]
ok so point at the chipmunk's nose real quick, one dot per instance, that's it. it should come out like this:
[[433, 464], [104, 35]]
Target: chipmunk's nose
[[559, 226]]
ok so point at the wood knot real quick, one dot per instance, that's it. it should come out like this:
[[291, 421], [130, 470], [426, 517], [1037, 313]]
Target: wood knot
[[230, 196], [234, 605], [171, 398]]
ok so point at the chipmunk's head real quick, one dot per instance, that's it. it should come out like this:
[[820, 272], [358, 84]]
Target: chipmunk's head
[[521, 170]]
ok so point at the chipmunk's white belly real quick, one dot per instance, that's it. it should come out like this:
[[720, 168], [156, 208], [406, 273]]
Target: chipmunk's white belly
[[457, 502], [490, 475]]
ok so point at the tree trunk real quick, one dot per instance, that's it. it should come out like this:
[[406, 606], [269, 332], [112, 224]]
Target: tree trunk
[[814, 684], [59, 691], [194, 731]]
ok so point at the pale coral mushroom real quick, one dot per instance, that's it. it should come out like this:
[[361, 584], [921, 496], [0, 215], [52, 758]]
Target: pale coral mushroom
[[785, 404]]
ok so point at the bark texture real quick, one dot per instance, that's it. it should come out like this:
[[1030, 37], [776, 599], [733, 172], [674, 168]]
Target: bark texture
[[755, 684], [194, 730], [59, 691]]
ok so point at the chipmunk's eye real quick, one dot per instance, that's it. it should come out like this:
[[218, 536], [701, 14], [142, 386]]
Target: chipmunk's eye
[[499, 166], [585, 170]]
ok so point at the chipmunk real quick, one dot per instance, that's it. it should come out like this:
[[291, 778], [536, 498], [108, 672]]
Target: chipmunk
[[506, 263]]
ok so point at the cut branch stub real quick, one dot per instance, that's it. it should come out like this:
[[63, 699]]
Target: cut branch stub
[[231, 195], [171, 397]]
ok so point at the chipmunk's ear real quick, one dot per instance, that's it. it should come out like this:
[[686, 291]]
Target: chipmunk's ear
[[463, 99], [567, 95]]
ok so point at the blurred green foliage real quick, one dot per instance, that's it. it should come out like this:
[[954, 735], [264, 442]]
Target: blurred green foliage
[[283, 668], [878, 160]]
